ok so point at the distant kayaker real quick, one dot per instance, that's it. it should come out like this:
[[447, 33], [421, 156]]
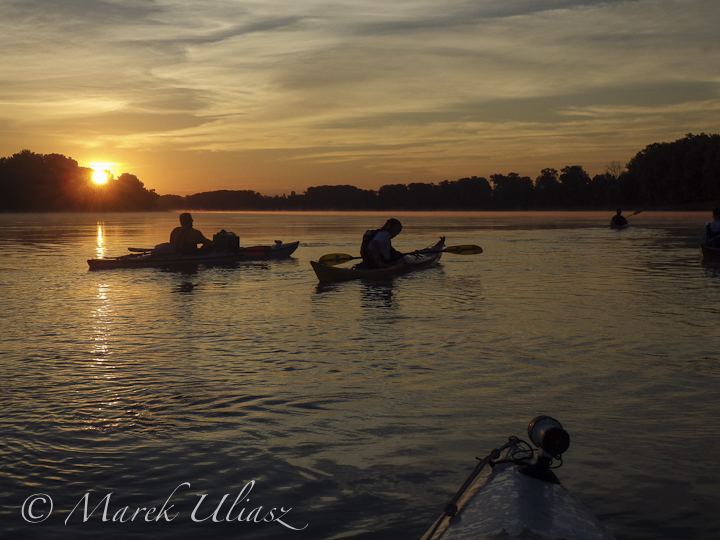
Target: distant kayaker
[[618, 220], [185, 239], [711, 232], [376, 249]]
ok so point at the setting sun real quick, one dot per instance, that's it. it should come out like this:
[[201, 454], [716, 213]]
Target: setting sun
[[101, 172], [100, 177]]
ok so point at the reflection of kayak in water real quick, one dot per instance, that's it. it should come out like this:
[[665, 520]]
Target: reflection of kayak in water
[[619, 225], [710, 253], [327, 273], [173, 260], [513, 494]]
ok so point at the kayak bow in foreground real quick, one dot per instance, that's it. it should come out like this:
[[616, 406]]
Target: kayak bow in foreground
[[513, 494], [173, 260]]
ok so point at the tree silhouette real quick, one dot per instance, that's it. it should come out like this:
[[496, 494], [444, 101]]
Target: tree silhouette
[[547, 189], [681, 174], [393, 197], [32, 182], [422, 196], [574, 187], [512, 192]]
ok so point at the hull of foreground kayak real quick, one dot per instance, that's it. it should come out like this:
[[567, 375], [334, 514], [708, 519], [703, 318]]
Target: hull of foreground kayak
[[710, 254], [409, 263], [503, 503], [147, 260]]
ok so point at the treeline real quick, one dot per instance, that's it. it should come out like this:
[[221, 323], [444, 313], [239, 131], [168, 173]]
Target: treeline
[[684, 174], [32, 182]]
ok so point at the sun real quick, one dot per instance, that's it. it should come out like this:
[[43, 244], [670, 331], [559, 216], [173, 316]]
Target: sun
[[101, 171], [100, 177]]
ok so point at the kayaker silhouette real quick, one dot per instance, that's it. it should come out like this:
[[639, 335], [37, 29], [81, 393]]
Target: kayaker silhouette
[[185, 239], [618, 221], [376, 248], [710, 236]]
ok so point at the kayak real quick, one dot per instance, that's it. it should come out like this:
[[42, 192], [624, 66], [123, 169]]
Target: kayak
[[408, 263], [512, 493], [172, 260], [710, 254], [623, 226]]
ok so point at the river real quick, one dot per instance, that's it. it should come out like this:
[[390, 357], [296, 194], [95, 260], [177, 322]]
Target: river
[[252, 402]]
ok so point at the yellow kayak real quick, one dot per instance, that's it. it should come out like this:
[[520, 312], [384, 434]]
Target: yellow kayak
[[425, 258]]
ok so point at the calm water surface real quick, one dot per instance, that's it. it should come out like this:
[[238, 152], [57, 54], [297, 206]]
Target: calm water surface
[[357, 407]]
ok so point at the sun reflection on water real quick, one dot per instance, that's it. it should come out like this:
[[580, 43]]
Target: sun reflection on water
[[101, 324], [100, 248], [103, 414]]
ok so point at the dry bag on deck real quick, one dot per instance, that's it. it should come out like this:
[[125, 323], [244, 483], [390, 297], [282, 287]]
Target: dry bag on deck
[[226, 241], [165, 248]]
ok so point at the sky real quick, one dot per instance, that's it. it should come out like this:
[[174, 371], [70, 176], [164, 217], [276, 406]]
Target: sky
[[280, 95]]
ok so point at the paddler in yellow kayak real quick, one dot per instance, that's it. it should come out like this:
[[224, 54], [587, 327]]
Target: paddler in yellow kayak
[[376, 248]]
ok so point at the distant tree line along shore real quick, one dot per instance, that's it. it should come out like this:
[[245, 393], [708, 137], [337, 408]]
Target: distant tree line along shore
[[684, 174]]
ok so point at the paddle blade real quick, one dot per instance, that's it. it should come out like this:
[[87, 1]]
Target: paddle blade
[[336, 258], [466, 249]]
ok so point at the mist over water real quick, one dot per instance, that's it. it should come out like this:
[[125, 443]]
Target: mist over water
[[359, 406]]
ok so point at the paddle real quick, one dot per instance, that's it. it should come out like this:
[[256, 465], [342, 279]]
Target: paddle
[[633, 214], [338, 258], [139, 250]]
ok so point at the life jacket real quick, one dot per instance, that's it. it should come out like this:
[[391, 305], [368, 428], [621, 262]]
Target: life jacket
[[713, 237], [179, 243], [366, 239]]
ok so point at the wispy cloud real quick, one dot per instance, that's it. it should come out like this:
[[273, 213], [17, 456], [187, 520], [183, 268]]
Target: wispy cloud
[[416, 86]]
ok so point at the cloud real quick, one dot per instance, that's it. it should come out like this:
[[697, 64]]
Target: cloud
[[415, 83]]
